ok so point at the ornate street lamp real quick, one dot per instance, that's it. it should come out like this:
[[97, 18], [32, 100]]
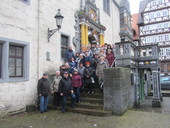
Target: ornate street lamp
[[59, 19]]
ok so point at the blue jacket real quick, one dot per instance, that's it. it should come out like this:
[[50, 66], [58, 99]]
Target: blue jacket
[[69, 55]]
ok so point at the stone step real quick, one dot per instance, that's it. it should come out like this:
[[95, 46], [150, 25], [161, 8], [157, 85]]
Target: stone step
[[92, 112], [89, 105], [92, 100], [164, 94], [89, 100], [96, 90], [95, 95]]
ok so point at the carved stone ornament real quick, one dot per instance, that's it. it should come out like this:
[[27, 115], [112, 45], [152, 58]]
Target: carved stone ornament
[[76, 38]]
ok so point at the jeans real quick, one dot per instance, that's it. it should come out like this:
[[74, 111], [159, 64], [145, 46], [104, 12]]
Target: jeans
[[43, 103], [73, 97], [77, 93]]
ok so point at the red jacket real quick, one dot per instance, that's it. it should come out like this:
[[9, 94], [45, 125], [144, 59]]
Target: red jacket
[[110, 58], [76, 80]]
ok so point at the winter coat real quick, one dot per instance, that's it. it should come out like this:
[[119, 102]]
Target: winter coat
[[62, 71], [76, 80], [81, 71], [78, 60], [72, 66], [94, 63], [110, 59], [87, 59], [88, 71], [43, 87], [55, 84], [69, 55], [100, 72], [65, 86]]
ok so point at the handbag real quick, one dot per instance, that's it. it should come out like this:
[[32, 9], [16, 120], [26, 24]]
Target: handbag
[[92, 80]]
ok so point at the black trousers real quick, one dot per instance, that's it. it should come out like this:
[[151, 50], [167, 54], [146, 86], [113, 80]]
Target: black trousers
[[56, 99]]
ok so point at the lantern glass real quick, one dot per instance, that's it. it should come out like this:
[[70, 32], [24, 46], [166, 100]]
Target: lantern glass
[[59, 19]]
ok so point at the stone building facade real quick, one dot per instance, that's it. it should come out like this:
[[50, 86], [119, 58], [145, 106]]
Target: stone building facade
[[25, 52]]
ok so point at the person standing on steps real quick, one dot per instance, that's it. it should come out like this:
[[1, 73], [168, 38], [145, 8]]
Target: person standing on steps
[[76, 84], [65, 90], [43, 92], [54, 89], [88, 77], [99, 70], [81, 72]]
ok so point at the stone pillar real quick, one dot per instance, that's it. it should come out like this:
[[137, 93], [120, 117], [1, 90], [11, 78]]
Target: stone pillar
[[83, 37], [117, 90], [86, 36], [101, 39], [156, 101]]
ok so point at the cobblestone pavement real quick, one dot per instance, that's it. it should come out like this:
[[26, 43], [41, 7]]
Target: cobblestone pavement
[[143, 117]]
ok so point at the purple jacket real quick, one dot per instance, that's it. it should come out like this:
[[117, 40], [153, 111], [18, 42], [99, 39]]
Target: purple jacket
[[76, 80], [110, 58]]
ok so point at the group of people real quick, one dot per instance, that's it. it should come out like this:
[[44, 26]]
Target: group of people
[[80, 70]]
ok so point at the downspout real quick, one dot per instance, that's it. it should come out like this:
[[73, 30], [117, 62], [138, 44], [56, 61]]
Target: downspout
[[38, 43]]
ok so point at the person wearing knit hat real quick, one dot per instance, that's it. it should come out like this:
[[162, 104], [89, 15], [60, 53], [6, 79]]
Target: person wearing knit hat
[[76, 84], [88, 79]]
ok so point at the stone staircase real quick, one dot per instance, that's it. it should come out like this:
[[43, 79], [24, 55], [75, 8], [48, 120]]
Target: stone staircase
[[91, 104]]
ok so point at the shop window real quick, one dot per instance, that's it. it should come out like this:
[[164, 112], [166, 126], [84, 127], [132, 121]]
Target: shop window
[[64, 45], [15, 61], [106, 6]]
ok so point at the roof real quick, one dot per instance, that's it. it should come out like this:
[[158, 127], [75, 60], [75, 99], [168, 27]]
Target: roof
[[142, 7], [135, 26]]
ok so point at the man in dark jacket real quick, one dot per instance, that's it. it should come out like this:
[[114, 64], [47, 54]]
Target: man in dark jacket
[[69, 54], [43, 92], [66, 90]]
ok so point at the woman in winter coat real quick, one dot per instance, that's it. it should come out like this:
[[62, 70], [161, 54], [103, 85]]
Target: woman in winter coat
[[54, 89], [80, 59], [72, 65], [110, 58], [88, 79], [99, 70], [76, 84]]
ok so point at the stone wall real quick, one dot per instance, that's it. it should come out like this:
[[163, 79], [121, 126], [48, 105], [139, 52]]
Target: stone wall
[[118, 91]]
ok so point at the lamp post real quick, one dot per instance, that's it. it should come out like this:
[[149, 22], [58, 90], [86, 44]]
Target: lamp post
[[59, 19]]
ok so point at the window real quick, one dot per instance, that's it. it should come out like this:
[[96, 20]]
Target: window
[[165, 13], [161, 52], [151, 15], [15, 61], [106, 6], [0, 60], [160, 38], [158, 14], [64, 45], [166, 37], [168, 51], [26, 1]]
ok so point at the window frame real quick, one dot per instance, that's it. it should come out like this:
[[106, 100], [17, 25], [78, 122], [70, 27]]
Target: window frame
[[15, 57], [106, 6], [1, 48], [26, 1], [5, 60], [62, 46]]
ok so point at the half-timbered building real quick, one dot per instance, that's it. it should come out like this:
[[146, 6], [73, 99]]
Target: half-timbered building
[[154, 28]]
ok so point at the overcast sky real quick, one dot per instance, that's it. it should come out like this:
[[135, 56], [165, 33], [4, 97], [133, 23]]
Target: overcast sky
[[134, 6]]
